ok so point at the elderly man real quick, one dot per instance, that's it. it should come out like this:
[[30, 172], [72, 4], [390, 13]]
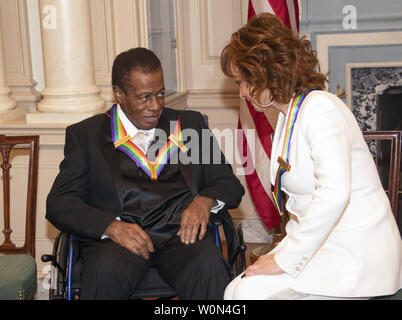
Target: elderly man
[[131, 207]]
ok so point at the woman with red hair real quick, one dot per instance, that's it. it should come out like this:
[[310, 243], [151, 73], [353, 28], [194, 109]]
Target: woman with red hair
[[341, 240]]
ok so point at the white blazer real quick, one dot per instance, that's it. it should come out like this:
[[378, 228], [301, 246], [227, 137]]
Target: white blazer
[[346, 241]]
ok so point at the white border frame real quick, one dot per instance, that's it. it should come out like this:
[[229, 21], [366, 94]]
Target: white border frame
[[348, 72], [324, 41]]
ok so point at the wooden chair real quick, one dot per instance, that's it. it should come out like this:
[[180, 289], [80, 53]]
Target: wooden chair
[[395, 137], [394, 162], [18, 278]]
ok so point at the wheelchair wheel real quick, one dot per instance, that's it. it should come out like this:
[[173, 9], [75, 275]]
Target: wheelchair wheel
[[60, 252], [239, 263]]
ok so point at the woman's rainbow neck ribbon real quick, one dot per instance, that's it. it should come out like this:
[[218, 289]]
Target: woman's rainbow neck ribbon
[[122, 141], [283, 160]]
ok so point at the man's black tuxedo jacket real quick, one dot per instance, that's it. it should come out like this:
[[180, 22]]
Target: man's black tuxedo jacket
[[87, 193]]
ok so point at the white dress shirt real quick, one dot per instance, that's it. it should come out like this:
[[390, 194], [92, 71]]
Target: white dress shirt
[[132, 130]]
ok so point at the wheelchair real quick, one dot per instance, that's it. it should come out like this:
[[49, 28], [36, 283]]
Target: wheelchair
[[65, 262]]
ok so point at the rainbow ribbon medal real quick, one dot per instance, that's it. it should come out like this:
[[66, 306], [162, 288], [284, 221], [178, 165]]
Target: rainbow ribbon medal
[[122, 141], [283, 160]]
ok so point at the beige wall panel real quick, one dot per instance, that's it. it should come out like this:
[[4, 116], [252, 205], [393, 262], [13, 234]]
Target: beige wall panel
[[208, 25], [129, 22], [11, 25], [218, 21], [17, 52], [103, 45]]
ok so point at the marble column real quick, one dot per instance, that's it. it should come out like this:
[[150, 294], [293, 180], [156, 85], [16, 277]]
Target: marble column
[[6, 102], [70, 93]]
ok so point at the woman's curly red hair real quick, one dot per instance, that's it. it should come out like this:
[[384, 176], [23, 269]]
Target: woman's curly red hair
[[268, 55]]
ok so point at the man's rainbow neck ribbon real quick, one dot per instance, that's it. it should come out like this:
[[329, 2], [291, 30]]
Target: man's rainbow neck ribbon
[[122, 141], [283, 160]]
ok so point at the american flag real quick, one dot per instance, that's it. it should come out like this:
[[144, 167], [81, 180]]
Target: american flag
[[258, 181]]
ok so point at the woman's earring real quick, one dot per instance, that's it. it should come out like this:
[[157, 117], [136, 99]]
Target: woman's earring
[[264, 105]]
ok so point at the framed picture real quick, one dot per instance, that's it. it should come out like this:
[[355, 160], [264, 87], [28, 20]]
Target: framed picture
[[364, 82]]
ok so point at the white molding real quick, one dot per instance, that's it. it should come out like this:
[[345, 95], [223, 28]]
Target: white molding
[[178, 22], [325, 41], [34, 21], [364, 23], [140, 14], [212, 98], [105, 39], [51, 136], [206, 57], [104, 7]]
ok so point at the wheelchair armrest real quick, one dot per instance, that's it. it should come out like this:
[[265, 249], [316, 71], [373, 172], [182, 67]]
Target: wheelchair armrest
[[51, 258], [220, 217]]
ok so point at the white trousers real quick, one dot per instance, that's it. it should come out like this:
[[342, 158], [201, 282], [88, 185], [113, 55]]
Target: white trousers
[[275, 287]]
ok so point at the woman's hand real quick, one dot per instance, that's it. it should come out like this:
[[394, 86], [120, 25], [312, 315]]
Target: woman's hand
[[265, 265]]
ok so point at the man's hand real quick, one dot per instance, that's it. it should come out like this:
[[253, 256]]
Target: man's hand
[[195, 216], [130, 236]]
